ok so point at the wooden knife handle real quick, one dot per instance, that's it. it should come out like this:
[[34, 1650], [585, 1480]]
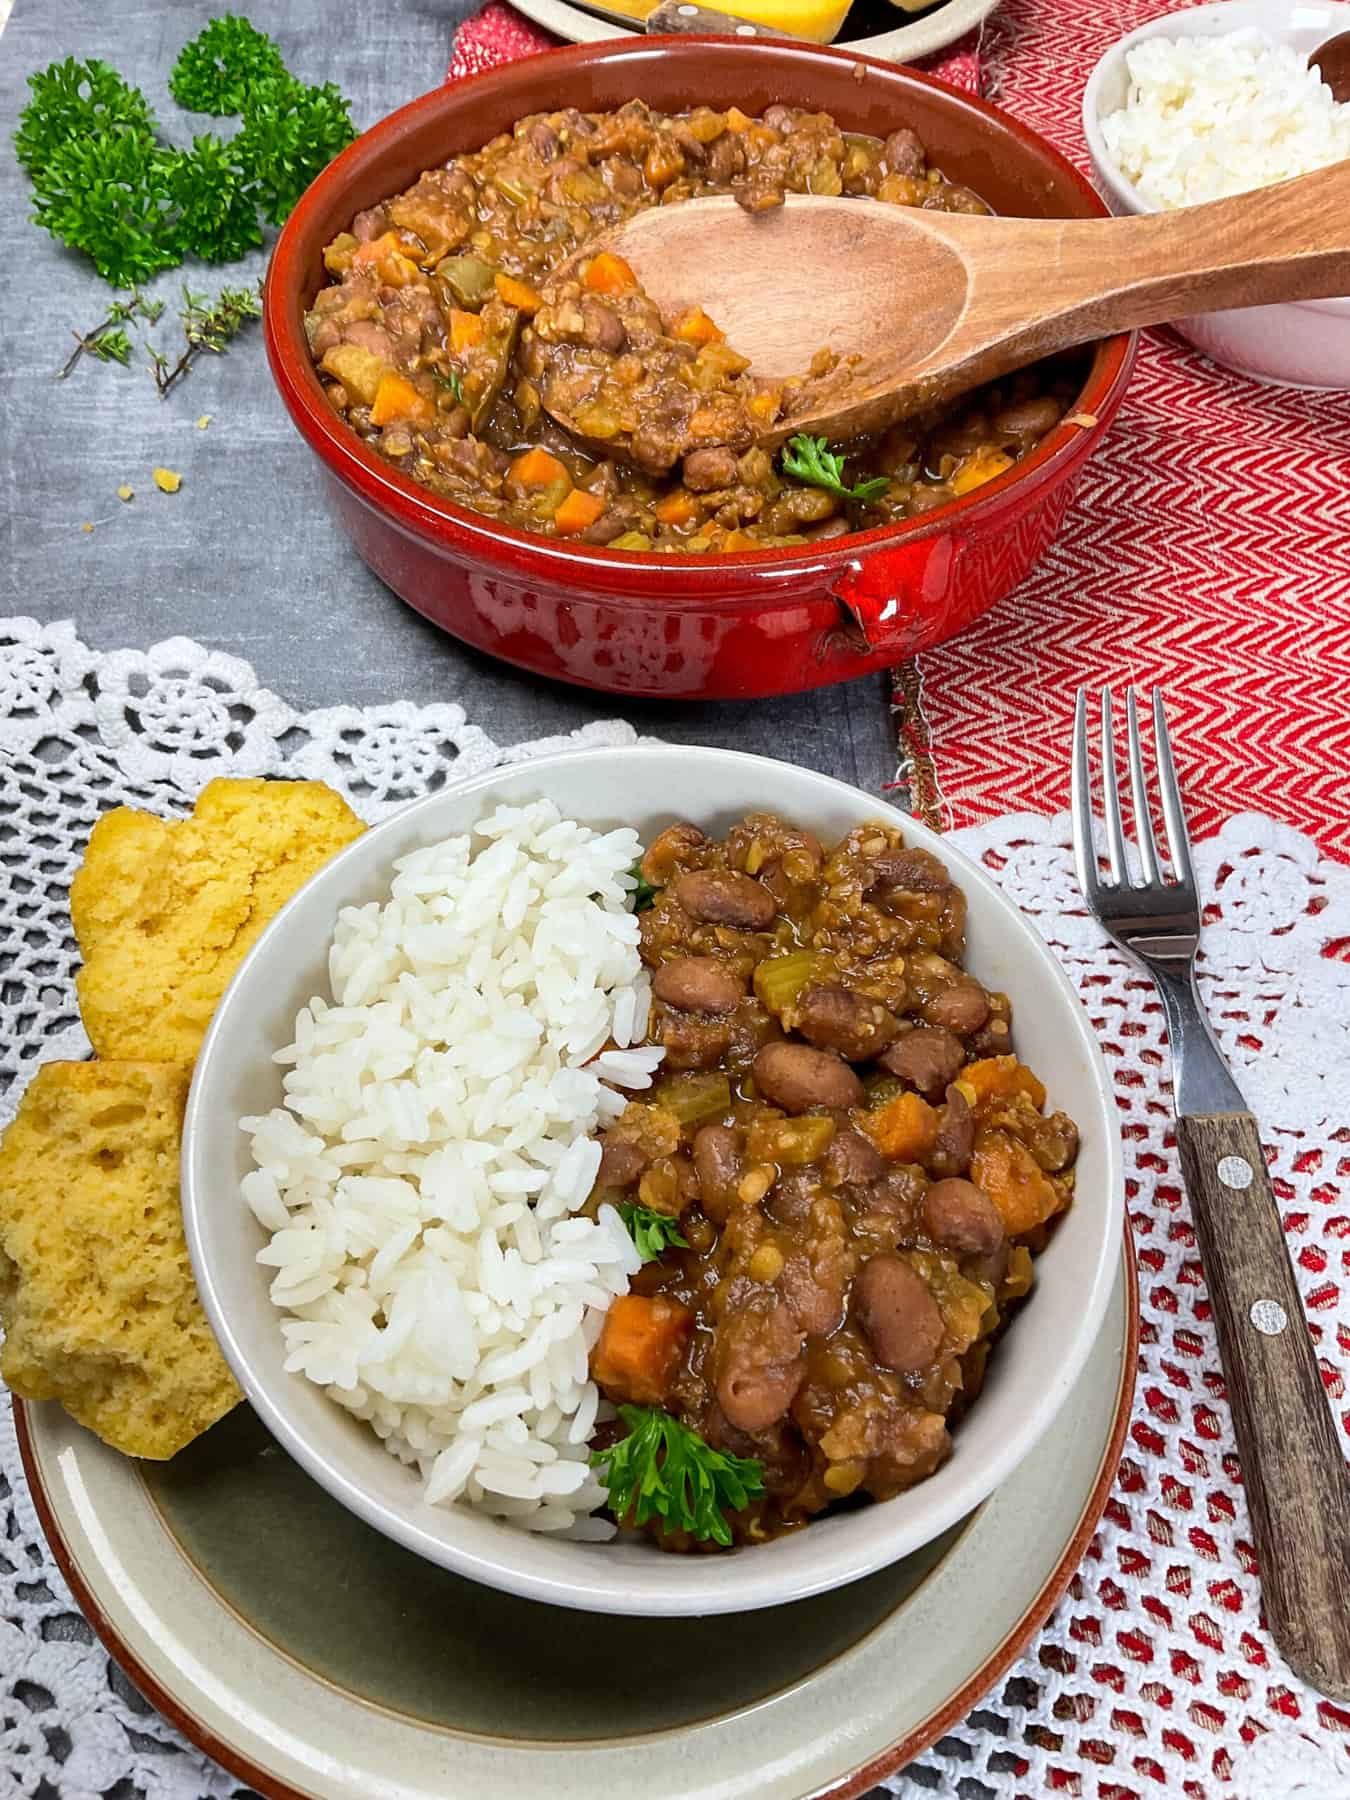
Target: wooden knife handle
[[1293, 1469], [676, 17]]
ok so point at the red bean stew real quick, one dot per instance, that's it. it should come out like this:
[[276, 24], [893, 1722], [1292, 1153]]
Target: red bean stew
[[860, 1167], [443, 343]]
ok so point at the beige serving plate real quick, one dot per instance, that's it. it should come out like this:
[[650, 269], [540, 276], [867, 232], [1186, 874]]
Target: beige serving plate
[[315, 1658], [909, 38]]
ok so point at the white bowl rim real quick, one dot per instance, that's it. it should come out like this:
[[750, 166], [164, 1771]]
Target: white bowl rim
[[1182, 24], [739, 1581]]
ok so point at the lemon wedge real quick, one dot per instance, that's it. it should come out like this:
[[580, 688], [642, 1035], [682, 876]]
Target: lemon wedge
[[818, 20]]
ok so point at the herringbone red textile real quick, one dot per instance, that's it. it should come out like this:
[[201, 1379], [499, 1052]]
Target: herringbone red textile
[[1208, 550]]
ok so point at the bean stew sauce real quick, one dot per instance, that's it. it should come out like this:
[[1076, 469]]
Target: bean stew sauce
[[443, 341], [860, 1167]]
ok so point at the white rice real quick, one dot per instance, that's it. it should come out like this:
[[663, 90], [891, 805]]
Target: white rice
[[421, 1181], [1211, 116]]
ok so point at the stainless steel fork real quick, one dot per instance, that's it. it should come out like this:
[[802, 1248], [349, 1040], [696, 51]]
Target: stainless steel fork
[[1298, 1492]]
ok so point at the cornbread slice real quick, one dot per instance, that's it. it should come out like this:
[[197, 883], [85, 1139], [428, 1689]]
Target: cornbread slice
[[165, 913], [97, 1299]]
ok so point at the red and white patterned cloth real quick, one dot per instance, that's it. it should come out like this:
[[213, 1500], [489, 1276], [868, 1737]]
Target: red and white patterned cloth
[[1208, 551]]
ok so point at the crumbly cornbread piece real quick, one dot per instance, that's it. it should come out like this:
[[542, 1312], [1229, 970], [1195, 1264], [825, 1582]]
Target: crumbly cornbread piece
[[165, 913], [97, 1298]]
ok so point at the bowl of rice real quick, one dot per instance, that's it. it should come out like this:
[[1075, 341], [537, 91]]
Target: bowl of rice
[[451, 1010], [1213, 101]]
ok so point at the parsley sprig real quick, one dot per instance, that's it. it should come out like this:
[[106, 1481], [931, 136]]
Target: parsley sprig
[[216, 72], [644, 894], [663, 1470], [105, 183], [652, 1232], [810, 459]]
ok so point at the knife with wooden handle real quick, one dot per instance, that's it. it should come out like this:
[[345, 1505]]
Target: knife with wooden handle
[[679, 17]]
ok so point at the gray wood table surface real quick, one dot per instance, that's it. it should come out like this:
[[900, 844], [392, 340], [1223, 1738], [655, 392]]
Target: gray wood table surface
[[245, 557]]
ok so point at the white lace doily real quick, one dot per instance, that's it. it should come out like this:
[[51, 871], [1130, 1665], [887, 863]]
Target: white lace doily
[[1154, 1676]]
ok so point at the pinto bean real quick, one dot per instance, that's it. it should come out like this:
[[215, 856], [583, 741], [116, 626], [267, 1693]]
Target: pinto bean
[[725, 897], [901, 1318], [838, 1019], [910, 872], [852, 1157], [543, 140], [927, 1059], [621, 1164], [796, 1077], [707, 470], [955, 1140], [904, 152], [760, 1367], [1028, 418], [959, 1214], [601, 326], [717, 1163], [963, 1007], [368, 225], [697, 984], [726, 159]]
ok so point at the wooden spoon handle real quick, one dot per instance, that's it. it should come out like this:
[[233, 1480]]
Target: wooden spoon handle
[[1287, 242], [1293, 1468], [1098, 276]]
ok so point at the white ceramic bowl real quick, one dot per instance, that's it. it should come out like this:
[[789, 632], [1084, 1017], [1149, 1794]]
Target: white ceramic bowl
[[1033, 1368], [1297, 345]]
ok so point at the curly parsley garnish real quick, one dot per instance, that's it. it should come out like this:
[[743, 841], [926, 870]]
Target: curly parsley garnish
[[216, 72], [652, 1232], [644, 893], [664, 1471], [810, 459], [104, 181]]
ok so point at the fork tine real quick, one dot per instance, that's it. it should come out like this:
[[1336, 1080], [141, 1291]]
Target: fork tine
[[1143, 823], [1174, 814], [1084, 849], [1115, 835]]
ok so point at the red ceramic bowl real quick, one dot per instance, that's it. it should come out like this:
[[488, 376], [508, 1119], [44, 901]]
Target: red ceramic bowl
[[713, 627]]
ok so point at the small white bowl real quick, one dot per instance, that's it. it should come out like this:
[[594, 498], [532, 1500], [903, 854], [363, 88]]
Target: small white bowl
[[1304, 344], [1033, 1369]]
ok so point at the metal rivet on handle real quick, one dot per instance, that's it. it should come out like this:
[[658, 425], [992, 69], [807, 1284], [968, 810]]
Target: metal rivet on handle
[[1269, 1317], [1235, 1172], [746, 31], [686, 12]]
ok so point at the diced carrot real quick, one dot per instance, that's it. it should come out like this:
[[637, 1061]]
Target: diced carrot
[[765, 404], [679, 508], [609, 274], [390, 257], [396, 398], [640, 1347], [537, 469], [737, 120], [1010, 1175], [695, 327], [905, 1128], [736, 540], [518, 294], [577, 511], [466, 330], [1000, 1077], [376, 250]]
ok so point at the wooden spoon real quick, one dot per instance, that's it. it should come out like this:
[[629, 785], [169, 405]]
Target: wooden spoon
[[1332, 62], [931, 304]]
